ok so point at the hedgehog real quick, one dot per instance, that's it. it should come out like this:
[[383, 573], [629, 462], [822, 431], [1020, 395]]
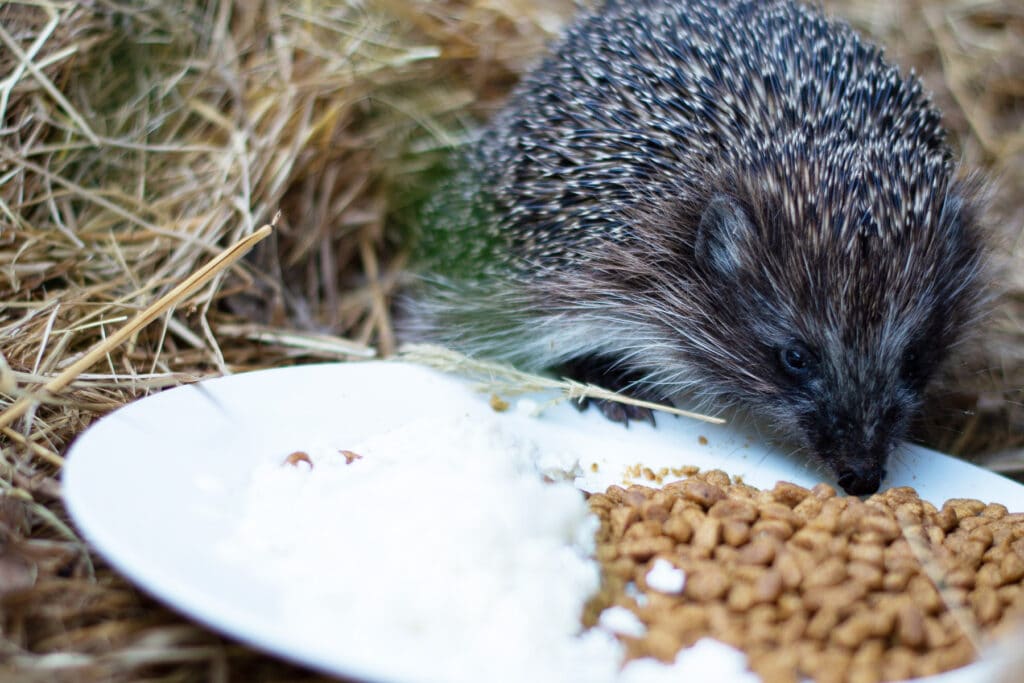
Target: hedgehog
[[737, 202]]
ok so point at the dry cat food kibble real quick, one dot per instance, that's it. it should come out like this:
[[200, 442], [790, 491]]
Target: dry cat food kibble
[[296, 457], [810, 584]]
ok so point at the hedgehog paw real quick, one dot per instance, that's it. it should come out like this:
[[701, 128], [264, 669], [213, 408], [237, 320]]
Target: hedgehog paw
[[618, 412], [608, 375]]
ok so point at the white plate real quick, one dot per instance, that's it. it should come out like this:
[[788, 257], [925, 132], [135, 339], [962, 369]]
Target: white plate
[[157, 486]]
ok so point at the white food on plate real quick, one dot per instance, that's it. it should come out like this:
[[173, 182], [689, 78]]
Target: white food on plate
[[478, 557], [461, 554], [621, 621], [665, 578], [707, 660]]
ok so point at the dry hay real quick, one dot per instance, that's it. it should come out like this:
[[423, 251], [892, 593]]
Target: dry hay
[[137, 141]]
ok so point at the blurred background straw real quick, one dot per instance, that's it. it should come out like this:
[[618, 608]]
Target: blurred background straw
[[138, 139]]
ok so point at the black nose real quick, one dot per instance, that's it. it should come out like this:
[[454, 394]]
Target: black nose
[[860, 481]]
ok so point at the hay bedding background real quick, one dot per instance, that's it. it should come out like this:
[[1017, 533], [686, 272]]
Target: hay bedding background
[[138, 139]]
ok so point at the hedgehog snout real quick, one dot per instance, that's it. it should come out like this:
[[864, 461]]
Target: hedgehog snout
[[857, 451], [861, 478], [859, 469]]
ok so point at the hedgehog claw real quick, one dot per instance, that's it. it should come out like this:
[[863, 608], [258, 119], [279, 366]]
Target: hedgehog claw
[[618, 412], [604, 373]]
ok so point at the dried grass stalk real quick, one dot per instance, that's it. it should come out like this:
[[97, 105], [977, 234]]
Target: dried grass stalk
[[497, 378]]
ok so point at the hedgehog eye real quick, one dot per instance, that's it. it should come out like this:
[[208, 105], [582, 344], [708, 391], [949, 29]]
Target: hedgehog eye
[[796, 360]]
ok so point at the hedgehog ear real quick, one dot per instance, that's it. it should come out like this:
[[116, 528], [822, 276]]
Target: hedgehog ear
[[721, 235]]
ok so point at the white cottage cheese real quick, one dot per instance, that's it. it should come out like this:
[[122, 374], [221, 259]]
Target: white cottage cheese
[[454, 544]]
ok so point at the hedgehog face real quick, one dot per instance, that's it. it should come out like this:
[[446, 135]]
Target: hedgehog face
[[835, 341], [850, 406]]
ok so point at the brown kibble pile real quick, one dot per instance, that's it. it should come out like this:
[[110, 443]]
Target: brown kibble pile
[[810, 584]]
